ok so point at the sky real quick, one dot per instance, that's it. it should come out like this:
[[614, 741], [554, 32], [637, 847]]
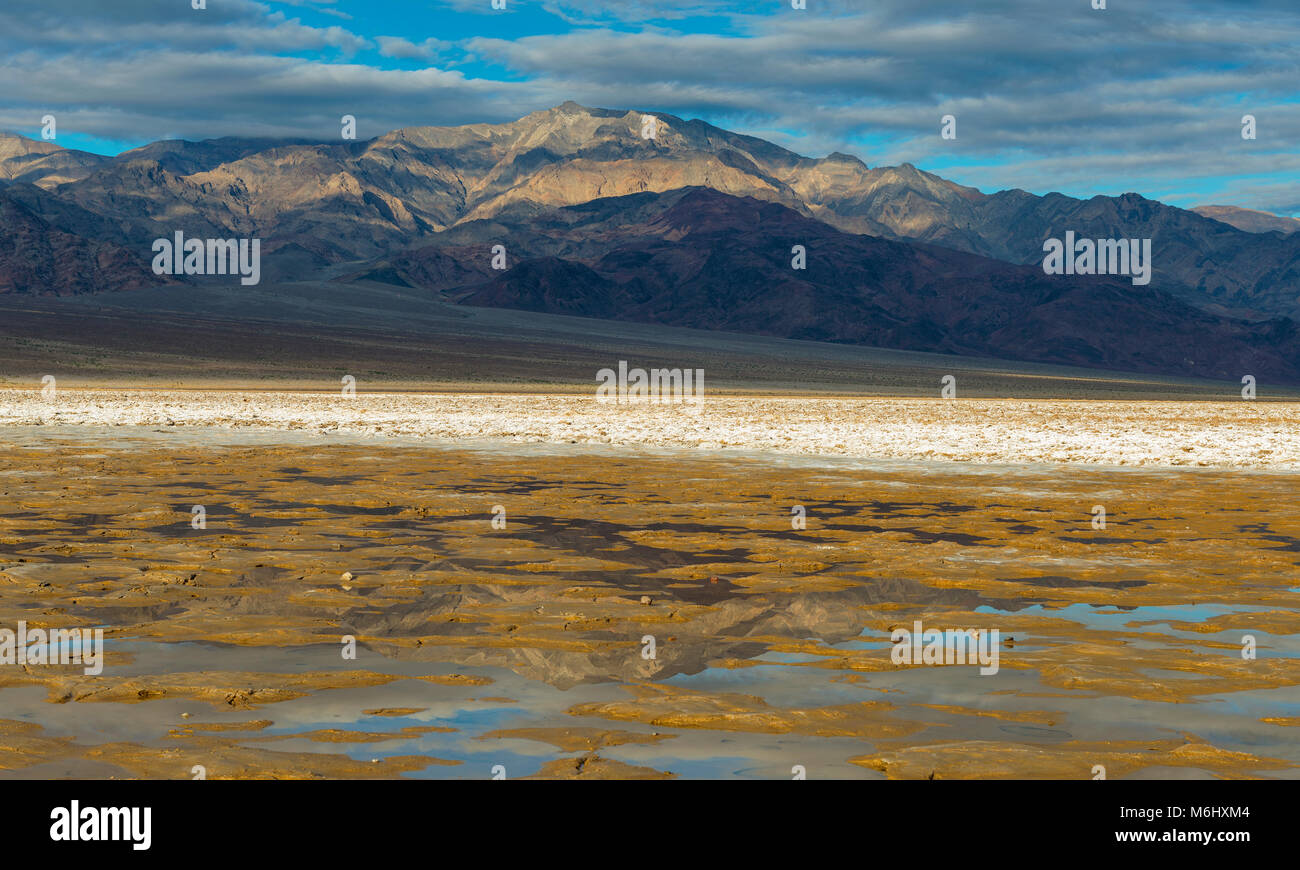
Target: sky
[[1143, 96]]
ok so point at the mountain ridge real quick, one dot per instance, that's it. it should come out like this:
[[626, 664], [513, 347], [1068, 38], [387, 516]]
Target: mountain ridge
[[420, 204], [351, 200]]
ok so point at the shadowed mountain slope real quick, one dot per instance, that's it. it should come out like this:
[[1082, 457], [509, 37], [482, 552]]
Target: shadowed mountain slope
[[703, 259]]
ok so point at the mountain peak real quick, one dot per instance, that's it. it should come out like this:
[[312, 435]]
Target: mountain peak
[[43, 163], [571, 109], [15, 144], [841, 157]]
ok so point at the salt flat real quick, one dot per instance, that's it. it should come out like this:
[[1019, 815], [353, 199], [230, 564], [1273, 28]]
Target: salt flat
[[1232, 434]]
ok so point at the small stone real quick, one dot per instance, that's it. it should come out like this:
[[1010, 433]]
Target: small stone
[[645, 599], [347, 575]]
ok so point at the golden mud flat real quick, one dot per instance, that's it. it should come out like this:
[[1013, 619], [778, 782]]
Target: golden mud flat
[[291, 605]]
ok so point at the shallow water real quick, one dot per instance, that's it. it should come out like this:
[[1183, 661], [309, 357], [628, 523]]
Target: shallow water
[[1121, 645]]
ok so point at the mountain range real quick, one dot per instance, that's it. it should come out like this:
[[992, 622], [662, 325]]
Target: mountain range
[[696, 226]]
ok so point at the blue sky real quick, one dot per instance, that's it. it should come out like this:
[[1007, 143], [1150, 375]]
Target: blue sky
[[1145, 96]]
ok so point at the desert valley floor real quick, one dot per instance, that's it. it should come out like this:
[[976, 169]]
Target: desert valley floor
[[643, 605]]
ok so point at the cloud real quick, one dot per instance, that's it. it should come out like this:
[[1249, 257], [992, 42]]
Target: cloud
[[404, 49], [325, 7], [131, 28], [1144, 97]]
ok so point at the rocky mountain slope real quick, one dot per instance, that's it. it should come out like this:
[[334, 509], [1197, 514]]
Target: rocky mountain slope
[[38, 258], [703, 259]]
